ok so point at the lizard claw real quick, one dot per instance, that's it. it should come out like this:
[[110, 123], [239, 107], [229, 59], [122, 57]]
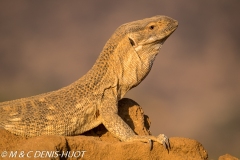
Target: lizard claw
[[161, 138], [167, 143], [164, 140], [151, 144]]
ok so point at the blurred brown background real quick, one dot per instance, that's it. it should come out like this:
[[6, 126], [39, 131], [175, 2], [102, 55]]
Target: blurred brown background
[[193, 89]]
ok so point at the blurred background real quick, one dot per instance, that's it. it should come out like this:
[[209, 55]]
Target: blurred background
[[193, 89]]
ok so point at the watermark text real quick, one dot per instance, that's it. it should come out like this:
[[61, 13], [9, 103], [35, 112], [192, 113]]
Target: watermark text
[[42, 154]]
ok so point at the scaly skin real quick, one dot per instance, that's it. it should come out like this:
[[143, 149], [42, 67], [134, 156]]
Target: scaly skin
[[125, 61]]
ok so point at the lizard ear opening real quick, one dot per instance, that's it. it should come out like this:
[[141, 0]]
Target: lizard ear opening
[[132, 42]]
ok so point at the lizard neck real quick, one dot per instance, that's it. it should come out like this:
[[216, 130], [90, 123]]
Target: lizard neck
[[101, 76], [130, 67], [118, 67]]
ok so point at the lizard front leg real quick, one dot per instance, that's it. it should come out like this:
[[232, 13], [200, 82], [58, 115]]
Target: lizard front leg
[[115, 124]]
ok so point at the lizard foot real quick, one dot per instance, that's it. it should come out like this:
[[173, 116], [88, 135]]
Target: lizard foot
[[161, 138], [164, 140]]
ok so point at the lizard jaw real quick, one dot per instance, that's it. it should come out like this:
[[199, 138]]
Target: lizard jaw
[[156, 45]]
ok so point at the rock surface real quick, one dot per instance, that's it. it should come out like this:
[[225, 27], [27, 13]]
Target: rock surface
[[98, 143], [227, 157]]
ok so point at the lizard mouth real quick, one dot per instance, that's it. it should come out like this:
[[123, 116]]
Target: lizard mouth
[[167, 31], [157, 45], [159, 41], [155, 41]]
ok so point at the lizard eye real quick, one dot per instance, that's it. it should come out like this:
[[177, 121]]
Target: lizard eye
[[132, 41], [151, 27]]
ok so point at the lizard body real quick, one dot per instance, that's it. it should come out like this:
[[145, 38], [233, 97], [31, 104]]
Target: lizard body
[[124, 62]]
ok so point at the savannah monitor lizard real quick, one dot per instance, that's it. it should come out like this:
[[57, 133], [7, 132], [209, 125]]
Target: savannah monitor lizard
[[124, 62]]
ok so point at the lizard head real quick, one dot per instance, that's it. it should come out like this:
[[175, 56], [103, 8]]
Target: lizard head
[[148, 35], [138, 44]]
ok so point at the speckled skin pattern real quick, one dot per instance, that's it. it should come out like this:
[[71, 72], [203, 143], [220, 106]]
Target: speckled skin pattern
[[124, 62]]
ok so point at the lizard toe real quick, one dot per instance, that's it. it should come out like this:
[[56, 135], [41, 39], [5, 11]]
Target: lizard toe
[[164, 141]]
